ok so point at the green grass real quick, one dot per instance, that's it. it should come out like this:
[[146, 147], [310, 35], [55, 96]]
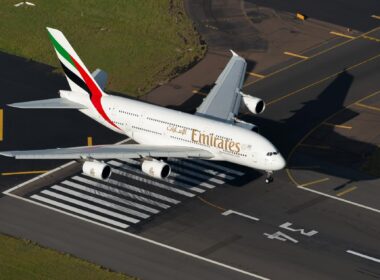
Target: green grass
[[140, 43], [21, 259], [372, 165]]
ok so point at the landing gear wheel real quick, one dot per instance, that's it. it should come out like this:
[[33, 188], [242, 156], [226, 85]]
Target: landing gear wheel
[[269, 178]]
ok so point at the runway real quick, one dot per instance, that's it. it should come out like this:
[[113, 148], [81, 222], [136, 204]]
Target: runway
[[214, 220]]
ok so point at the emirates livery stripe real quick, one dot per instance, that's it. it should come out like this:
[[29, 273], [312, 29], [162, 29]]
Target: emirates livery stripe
[[96, 94], [85, 81]]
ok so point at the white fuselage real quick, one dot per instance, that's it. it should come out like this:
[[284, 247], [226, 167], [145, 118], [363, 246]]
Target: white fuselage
[[154, 125]]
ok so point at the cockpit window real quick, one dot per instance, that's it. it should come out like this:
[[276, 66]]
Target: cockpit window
[[271, 154]]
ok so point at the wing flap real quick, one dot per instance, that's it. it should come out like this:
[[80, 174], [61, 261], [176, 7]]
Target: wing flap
[[111, 152], [53, 103]]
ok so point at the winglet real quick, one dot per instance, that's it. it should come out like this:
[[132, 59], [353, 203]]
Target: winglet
[[234, 53]]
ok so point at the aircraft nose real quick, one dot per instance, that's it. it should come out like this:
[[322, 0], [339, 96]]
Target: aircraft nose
[[279, 163]]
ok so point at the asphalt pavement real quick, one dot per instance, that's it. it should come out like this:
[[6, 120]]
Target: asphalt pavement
[[278, 231]]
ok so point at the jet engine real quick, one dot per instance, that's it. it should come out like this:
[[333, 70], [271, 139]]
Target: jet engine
[[254, 104], [156, 168], [96, 169]]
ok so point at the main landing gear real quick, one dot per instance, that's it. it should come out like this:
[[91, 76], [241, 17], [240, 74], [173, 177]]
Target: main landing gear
[[269, 178]]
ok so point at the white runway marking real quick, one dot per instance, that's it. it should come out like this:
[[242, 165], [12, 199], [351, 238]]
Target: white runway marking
[[101, 202], [341, 199], [110, 196], [121, 192], [147, 181], [76, 210], [363, 256], [219, 167], [143, 191], [150, 241], [90, 206], [201, 168], [173, 174], [228, 212], [198, 175]]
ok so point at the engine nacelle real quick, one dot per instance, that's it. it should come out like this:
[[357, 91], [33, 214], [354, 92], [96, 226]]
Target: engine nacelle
[[254, 104], [96, 169], [156, 168]]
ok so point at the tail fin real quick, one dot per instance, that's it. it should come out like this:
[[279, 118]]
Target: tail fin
[[77, 75]]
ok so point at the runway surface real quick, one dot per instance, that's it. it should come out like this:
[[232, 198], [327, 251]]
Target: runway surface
[[348, 13], [214, 220]]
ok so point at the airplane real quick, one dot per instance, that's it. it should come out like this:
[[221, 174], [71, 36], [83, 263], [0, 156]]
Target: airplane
[[213, 133]]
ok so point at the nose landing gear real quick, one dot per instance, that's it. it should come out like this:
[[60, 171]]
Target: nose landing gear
[[269, 177]]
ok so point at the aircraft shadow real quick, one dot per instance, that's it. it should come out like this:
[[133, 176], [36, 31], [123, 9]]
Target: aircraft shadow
[[345, 150]]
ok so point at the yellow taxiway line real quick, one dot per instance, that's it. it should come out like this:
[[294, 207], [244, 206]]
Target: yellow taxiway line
[[367, 106], [24, 172], [256, 75], [296, 55], [375, 17], [89, 141], [314, 182], [212, 204], [322, 80], [338, 125], [347, 191], [313, 56], [342, 35], [1, 124], [372, 38]]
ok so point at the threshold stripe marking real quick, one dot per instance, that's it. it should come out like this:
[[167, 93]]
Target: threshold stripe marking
[[296, 55], [110, 196], [363, 256], [347, 191], [228, 212], [143, 191], [342, 35], [100, 201], [78, 211], [367, 106], [90, 206], [314, 182], [121, 192], [153, 183], [145, 180], [218, 167], [208, 171], [172, 174]]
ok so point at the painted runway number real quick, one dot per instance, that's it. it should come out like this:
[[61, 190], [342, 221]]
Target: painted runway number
[[284, 237]]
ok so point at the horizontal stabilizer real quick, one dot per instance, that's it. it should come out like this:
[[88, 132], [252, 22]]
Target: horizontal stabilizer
[[100, 78], [54, 103]]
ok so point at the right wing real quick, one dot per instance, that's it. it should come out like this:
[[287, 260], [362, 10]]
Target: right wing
[[223, 101], [111, 152]]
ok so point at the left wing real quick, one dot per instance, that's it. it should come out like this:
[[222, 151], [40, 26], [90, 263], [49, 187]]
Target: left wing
[[223, 101], [111, 152]]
